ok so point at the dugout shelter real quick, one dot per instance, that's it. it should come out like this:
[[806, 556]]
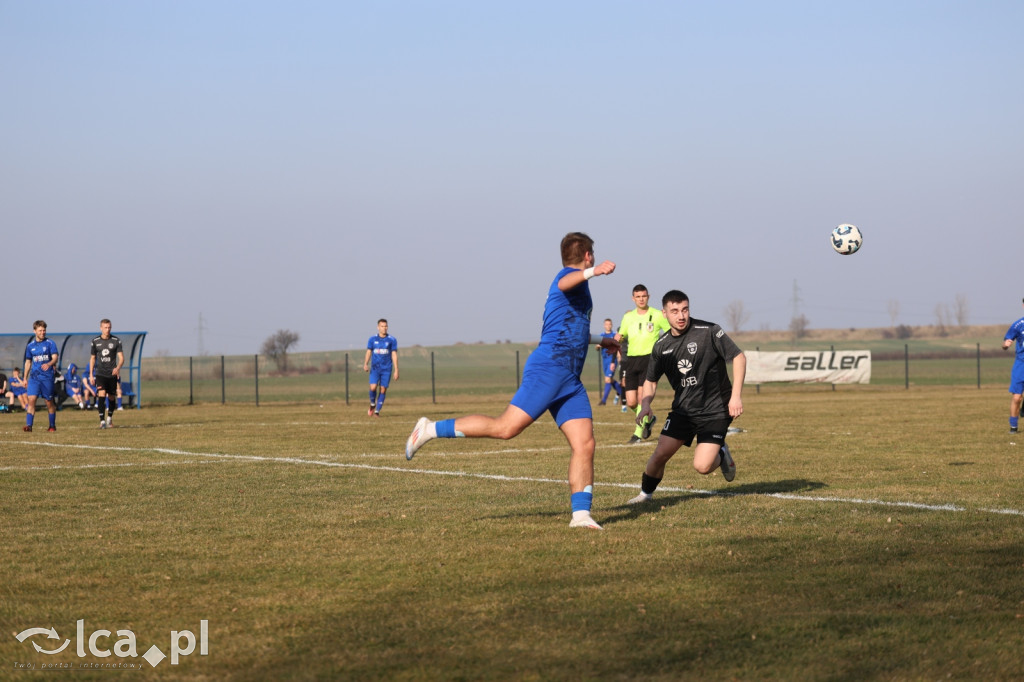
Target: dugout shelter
[[73, 347]]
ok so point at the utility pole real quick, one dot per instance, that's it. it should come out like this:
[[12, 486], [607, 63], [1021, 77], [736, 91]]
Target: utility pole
[[200, 328]]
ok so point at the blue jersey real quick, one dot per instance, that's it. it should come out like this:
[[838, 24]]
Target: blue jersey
[[40, 353], [72, 381], [565, 337], [380, 348], [607, 355], [1016, 334]]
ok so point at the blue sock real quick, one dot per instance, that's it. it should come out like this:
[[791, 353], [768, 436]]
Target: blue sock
[[1013, 422], [607, 390], [617, 387], [380, 401], [446, 429], [53, 421], [581, 501], [373, 397], [29, 418]]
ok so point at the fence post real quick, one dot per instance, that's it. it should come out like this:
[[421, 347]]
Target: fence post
[[190, 391], [906, 365], [832, 349], [433, 385], [223, 383], [346, 379], [758, 385], [256, 374], [979, 364]]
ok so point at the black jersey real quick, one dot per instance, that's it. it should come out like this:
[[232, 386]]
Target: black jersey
[[105, 351], [694, 363]]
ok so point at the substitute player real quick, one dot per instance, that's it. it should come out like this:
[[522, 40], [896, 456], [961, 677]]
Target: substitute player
[[693, 356], [640, 328], [551, 379], [381, 359], [41, 358], [105, 360], [1015, 335]]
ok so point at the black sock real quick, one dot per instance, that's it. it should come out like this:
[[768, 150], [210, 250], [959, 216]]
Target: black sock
[[648, 484]]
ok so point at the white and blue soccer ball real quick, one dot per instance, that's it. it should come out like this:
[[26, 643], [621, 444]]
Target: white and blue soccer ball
[[846, 239]]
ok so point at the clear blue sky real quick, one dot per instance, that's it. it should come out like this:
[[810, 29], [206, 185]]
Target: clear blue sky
[[317, 165]]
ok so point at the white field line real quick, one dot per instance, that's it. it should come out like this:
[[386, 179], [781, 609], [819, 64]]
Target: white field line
[[210, 457]]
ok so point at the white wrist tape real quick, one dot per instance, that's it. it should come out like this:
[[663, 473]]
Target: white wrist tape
[[588, 273]]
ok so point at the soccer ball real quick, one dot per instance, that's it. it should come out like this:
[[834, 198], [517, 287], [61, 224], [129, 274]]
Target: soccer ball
[[846, 239]]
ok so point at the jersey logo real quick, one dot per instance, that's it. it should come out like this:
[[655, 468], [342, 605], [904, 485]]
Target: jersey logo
[[719, 334], [684, 366], [691, 348]]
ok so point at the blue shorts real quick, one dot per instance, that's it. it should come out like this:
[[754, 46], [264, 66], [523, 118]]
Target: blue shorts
[[41, 387], [380, 376], [1017, 378], [548, 386], [606, 366]]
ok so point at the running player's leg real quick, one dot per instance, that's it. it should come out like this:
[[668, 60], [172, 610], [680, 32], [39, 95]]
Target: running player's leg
[[654, 470], [580, 435]]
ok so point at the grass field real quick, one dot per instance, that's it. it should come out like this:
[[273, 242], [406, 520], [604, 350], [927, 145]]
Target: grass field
[[871, 533]]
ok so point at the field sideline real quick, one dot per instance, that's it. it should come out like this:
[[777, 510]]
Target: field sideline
[[871, 533]]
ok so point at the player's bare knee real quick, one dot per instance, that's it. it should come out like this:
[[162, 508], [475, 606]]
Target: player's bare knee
[[704, 468]]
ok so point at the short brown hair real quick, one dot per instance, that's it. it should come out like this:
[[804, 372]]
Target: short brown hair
[[39, 323], [575, 246]]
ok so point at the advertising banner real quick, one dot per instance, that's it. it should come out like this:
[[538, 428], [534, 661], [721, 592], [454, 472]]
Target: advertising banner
[[809, 366]]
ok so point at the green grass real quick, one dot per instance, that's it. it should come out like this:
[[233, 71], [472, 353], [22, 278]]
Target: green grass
[[315, 551]]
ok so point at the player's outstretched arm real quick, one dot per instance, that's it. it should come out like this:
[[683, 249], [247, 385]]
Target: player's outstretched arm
[[578, 277]]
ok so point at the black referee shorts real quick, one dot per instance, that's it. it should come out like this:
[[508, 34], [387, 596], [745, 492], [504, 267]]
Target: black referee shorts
[[634, 371]]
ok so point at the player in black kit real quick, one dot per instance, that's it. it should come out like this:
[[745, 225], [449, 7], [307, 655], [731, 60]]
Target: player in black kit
[[692, 355], [105, 360]]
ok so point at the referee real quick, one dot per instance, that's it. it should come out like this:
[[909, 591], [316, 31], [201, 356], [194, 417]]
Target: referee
[[640, 328]]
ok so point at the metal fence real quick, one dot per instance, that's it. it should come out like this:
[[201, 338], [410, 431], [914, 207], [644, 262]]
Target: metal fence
[[482, 369]]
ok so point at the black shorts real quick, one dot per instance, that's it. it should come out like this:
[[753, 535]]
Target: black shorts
[[634, 371], [108, 384], [684, 428]]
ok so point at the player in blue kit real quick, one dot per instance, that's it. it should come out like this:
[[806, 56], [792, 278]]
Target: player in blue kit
[[551, 379], [381, 359], [41, 357], [1015, 335], [609, 365]]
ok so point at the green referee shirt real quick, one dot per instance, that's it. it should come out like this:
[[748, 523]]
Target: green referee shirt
[[642, 330]]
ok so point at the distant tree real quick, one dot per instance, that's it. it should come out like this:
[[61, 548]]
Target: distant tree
[[960, 310], [941, 318], [798, 327], [894, 311], [277, 345], [735, 315]]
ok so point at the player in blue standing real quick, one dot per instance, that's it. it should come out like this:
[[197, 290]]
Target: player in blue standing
[[41, 356], [381, 359], [609, 365], [551, 379], [1015, 335]]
